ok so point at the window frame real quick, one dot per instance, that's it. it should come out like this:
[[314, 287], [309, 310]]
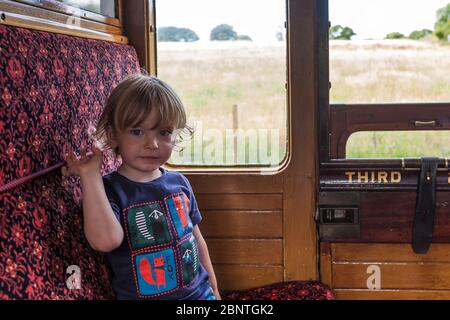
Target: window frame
[[339, 121], [239, 168], [52, 16]]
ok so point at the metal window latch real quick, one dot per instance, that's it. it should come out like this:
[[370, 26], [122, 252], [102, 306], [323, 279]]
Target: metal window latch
[[431, 123]]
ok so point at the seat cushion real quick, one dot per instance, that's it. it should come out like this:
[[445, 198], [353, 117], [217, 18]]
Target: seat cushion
[[292, 290], [52, 89]]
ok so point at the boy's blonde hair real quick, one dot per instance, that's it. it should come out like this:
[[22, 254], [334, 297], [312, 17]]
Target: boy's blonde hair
[[130, 103]]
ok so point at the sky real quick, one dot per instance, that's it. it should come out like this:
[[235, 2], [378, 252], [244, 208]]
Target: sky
[[375, 19], [368, 18]]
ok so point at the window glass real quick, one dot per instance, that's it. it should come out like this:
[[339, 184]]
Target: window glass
[[227, 61], [389, 51], [103, 7], [398, 144]]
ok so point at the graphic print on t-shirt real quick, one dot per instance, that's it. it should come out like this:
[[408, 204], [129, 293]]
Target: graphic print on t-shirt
[[178, 206], [147, 226], [156, 272], [190, 260]]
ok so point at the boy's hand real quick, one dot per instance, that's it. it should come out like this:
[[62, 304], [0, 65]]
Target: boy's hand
[[84, 166]]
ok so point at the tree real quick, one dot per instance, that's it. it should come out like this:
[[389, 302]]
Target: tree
[[176, 34], [395, 35], [419, 34], [442, 25], [223, 32], [244, 37], [339, 32]]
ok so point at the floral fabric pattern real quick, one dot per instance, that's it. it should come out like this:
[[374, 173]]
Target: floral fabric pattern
[[52, 91], [293, 290]]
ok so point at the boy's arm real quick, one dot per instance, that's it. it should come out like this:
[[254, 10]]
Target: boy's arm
[[101, 228], [206, 260]]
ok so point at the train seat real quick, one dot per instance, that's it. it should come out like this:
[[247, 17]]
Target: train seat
[[291, 290], [52, 89]]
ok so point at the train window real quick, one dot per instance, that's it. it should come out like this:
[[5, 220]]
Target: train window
[[388, 68], [229, 67], [396, 52], [104, 7], [398, 144]]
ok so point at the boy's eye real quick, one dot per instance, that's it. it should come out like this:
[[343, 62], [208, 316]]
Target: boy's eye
[[137, 132], [165, 133]]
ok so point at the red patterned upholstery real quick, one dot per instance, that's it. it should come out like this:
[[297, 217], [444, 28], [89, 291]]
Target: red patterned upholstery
[[293, 290], [52, 87]]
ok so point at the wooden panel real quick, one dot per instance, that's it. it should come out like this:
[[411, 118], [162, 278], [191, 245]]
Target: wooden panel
[[325, 264], [137, 28], [352, 294], [247, 224], [394, 222], [246, 251], [300, 177], [438, 252], [240, 201], [236, 277], [236, 183], [402, 275]]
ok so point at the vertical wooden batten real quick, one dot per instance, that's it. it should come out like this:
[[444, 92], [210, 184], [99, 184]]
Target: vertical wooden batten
[[139, 30], [300, 177]]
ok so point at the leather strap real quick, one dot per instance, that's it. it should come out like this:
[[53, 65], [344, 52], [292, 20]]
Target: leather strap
[[425, 206]]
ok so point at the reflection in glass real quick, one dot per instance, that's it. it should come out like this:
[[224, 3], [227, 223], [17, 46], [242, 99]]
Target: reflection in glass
[[103, 7]]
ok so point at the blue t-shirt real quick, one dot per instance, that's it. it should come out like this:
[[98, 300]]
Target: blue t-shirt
[[159, 257]]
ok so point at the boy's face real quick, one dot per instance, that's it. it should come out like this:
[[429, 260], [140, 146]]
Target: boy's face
[[144, 148]]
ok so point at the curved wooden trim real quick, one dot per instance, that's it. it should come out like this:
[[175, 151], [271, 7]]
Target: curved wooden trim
[[34, 23]]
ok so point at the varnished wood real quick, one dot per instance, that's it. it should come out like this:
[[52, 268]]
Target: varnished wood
[[403, 274], [242, 224], [240, 201], [233, 183], [394, 222], [136, 23], [394, 275], [355, 294], [236, 277], [246, 251], [388, 252], [300, 177], [326, 264]]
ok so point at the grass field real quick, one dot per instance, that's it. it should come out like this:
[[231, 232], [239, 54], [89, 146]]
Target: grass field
[[212, 77]]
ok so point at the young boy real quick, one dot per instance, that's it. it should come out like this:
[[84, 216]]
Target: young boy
[[144, 217]]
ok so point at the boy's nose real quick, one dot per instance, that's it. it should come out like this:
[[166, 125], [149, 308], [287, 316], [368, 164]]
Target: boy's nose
[[151, 142]]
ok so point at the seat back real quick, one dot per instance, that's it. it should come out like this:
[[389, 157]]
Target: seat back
[[52, 89]]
